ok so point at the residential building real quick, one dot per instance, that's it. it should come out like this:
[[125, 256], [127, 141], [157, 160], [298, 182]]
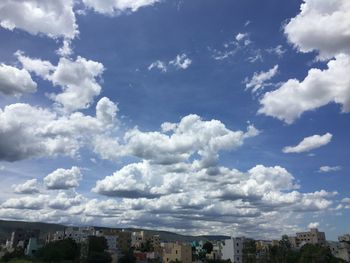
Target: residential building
[[124, 240], [233, 249], [313, 237], [32, 247], [20, 237], [176, 252]]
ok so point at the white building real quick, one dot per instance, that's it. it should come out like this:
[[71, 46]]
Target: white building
[[233, 249]]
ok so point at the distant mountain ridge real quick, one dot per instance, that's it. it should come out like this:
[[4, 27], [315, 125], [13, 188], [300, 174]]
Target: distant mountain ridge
[[6, 228]]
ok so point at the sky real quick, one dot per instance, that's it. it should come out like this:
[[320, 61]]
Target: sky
[[194, 116]]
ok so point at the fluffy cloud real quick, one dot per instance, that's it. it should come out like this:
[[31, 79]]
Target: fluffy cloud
[[50, 134], [63, 178], [28, 187], [65, 200], [258, 80], [15, 82], [27, 202], [179, 141], [328, 169], [309, 143], [319, 88], [78, 79], [116, 6], [314, 225], [321, 26], [54, 18]]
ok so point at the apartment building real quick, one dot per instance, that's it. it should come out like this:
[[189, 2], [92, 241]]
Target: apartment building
[[176, 252], [232, 249]]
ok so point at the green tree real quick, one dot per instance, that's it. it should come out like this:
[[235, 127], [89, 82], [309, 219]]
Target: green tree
[[59, 251], [249, 251], [97, 250], [208, 247]]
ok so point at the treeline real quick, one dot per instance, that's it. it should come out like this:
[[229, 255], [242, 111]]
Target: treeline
[[67, 250]]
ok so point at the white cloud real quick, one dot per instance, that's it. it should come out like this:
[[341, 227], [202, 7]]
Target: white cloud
[[258, 80], [327, 169], [28, 187], [65, 50], [26, 202], [191, 135], [322, 26], [158, 65], [313, 225], [319, 88], [243, 37], [63, 178], [54, 18], [113, 7], [50, 134], [15, 82], [181, 61], [309, 143], [78, 79], [64, 200]]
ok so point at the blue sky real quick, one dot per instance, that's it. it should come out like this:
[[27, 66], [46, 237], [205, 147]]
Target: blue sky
[[213, 117]]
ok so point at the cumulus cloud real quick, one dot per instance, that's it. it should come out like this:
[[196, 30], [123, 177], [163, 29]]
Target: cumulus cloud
[[54, 18], [309, 143], [63, 178], [321, 26], [65, 200], [319, 88], [26, 202], [258, 81], [179, 141], [65, 50], [114, 7], [28, 187], [50, 134], [15, 82], [78, 79], [328, 169], [314, 225]]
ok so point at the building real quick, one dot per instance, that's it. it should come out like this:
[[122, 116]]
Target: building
[[344, 248], [216, 253], [78, 234], [313, 237], [232, 249], [124, 241], [176, 252], [32, 247], [20, 238]]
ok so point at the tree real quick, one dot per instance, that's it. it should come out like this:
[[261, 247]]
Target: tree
[[60, 250], [249, 251], [316, 254], [208, 247], [97, 250]]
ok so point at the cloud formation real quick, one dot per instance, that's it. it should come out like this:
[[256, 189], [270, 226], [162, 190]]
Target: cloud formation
[[78, 79], [28, 187], [309, 143], [54, 18], [63, 178], [115, 7], [321, 26], [319, 88], [15, 82], [258, 81], [328, 169]]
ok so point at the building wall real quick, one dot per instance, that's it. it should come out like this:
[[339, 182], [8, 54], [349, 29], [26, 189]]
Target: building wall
[[177, 252], [233, 249]]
